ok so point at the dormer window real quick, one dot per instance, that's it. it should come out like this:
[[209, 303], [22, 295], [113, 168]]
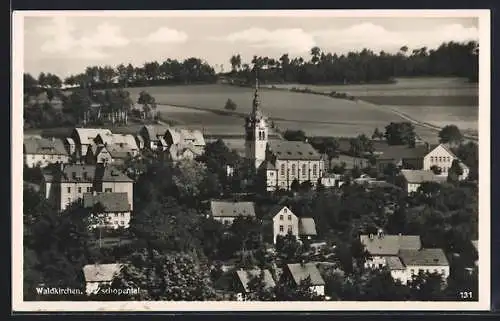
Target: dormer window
[[73, 175]]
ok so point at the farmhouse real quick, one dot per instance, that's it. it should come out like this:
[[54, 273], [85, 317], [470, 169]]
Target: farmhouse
[[174, 136], [154, 136], [382, 247], [119, 141], [411, 262], [242, 278], [180, 152], [42, 152], [294, 274], [227, 211], [114, 209], [412, 179], [67, 184], [99, 275], [84, 137]]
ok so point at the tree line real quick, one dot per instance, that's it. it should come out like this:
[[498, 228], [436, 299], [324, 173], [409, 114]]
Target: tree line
[[365, 66]]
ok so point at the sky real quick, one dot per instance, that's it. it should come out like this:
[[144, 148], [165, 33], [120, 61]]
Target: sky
[[65, 44]]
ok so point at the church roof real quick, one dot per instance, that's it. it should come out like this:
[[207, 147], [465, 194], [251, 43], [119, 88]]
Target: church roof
[[293, 150]]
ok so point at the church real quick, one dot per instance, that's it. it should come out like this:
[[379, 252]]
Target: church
[[280, 162]]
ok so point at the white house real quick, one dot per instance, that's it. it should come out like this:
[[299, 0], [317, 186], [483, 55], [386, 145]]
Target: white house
[[98, 275], [412, 262], [332, 180], [118, 141], [382, 247], [285, 222], [84, 137], [183, 136], [180, 152], [294, 274], [115, 209], [43, 151], [442, 157], [413, 179], [154, 136], [227, 211]]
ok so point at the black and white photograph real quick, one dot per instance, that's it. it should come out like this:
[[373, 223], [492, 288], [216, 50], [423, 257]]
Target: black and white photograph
[[232, 160]]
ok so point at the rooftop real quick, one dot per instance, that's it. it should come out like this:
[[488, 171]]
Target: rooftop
[[307, 226], [87, 135], [232, 209], [293, 150], [246, 275], [112, 202], [390, 244], [420, 176], [301, 272], [44, 146], [426, 257]]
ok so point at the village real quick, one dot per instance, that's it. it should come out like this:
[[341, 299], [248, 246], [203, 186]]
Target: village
[[269, 208]]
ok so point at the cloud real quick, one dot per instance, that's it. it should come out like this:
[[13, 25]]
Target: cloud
[[354, 37], [293, 40], [166, 35], [62, 40]]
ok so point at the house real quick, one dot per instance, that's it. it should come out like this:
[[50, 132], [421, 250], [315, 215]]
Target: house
[[174, 136], [382, 247], [140, 142], [403, 156], [127, 142], [84, 137], [294, 274], [69, 144], [67, 184], [442, 157], [332, 180], [99, 275], [115, 209], [280, 162], [412, 179], [180, 152], [44, 151], [102, 155], [286, 222], [227, 211], [154, 136], [243, 277], [411, 262]]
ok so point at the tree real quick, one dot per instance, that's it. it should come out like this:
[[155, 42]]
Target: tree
[[148, 103], [165, 277], [295, 186], [450, 134], [315, 54], [235, 62], [402, 133], [427, 287], [294, 135], [230, 105], [436, 169], [377, 134], [288, 247], [455, 171]]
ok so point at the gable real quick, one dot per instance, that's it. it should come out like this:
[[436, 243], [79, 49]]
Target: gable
[[441, 150], [284, 213]]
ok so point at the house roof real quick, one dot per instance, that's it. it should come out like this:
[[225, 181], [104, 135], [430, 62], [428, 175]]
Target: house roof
[[307, 226], [301, 272], [44, 146], [390, 244], [87, 135], [116, 151], [275, 209], [177, 150], [429, 257], [245, 276], [126, 140], [89, 173], [293, 150], [232, 209], [101, 272], [69, 140], [112, 202], [181, 135], [111, 174], [394, 263], [390, 152], [154, 131], [267, 165], [446, 147], [420, 176]]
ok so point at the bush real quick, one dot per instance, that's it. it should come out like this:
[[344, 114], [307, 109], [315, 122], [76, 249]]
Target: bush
[[230, 105]]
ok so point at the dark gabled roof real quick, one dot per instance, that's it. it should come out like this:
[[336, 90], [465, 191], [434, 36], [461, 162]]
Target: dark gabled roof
[[390, 244], [244, 276], [293, 150], [112, 202], [89, 173], [44, 146], [154, 131], [301, 272], [307, 226], [232, 209], [111, 174], [425, 257], [397, 153]]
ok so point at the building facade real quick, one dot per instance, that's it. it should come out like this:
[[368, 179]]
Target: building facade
[[42, 152], [442, 157]]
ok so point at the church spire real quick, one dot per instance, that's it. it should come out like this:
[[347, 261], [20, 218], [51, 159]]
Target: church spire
[[256, 100]]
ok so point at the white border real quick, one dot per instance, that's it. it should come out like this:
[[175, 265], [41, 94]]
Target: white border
[[484, 164]]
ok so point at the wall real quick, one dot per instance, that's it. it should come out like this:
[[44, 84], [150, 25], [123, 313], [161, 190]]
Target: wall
[[224, 220], [271, 179], [438, 157], [104, 157], [293, 169], [76, 192], [293, 222], [31, 160], [375, 262], [121, 187]]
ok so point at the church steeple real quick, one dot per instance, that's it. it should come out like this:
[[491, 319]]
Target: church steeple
[[256, 100]]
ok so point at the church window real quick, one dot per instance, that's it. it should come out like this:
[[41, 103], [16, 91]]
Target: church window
[[293, 169], [315, 169], [260, 135], [304, 170], [282, 170]]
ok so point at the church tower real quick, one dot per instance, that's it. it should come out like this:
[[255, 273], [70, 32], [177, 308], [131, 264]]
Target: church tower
[[256, 131]]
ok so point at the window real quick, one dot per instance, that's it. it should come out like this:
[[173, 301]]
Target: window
[[73, 175], [43, 157], [412, 271], [293, 169], [260, 135], [281, 217], [116, 222], [420, 271], [304, 170], [69, 189], [89, 189], [284, 210], [380, 266], [442, 271], [108, 190], [79, 190], [289, 228], [281, 228], [122, 223], [282, 170], [289, 217], [69, 200], [315, 170], [122, 214]]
